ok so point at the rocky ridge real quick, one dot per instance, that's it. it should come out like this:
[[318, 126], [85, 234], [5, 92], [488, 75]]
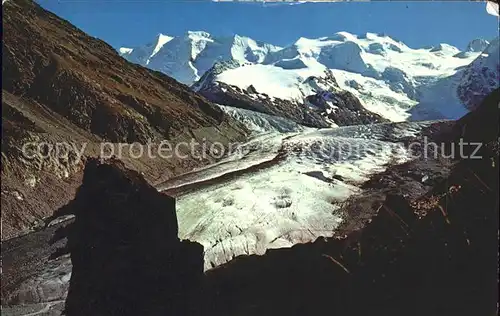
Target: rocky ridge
[[325, 105]]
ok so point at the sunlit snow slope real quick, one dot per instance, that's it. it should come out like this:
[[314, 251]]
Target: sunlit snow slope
[[387, 76], [187, 57], [455, 95]]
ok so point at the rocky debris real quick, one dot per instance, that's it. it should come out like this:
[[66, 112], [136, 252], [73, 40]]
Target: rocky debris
[[30, 272], [50, 285], [53, 308], [126, 256]]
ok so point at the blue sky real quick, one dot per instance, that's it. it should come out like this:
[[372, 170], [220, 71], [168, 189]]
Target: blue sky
[[132, 23]]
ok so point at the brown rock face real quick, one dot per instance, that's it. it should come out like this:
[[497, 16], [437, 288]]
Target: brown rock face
[[83, 79], [126, 256]]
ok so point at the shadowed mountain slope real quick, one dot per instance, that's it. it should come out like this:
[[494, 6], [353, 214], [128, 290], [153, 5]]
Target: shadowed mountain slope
[[62, 86]]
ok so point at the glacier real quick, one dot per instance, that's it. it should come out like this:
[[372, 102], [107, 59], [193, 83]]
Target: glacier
[[288, 188]]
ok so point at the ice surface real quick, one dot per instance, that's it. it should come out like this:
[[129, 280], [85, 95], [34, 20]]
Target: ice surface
[[295, 199], [262, 123]]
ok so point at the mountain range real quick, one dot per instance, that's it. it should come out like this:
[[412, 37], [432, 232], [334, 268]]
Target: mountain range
[[389, 78]]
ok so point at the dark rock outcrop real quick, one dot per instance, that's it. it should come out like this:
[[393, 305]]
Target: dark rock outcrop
[[126, 256], [343, 108], [480, 77], [225, 94]]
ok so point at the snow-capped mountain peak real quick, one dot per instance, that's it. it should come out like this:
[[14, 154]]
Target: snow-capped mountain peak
[[125, 50], [201, 50], [161, 40], [142, 55], [187, 57]]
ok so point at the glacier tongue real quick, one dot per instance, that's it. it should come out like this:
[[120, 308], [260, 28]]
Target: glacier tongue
[[289, 188]]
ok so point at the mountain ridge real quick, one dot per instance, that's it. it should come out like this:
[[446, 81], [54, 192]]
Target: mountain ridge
[[61, 85]]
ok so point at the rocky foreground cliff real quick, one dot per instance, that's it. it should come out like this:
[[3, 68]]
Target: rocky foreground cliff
[[126, 256]]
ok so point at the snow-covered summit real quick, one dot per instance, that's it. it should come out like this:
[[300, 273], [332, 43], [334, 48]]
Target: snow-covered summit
[[187, 57], [368, 54], [142, 55]]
